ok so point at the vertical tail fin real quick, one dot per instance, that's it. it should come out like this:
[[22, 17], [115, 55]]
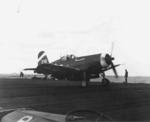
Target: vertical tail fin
[[42, 58]]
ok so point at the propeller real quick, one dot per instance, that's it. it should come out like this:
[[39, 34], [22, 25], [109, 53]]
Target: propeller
[[109, 60], [112, 58], [114, 69]]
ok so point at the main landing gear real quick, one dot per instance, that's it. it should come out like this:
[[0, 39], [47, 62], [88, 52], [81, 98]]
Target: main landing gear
[[46, 77], [85, 80], [105, 81]]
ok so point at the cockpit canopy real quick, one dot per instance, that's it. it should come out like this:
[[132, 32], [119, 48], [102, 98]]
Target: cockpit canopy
[[68, 57]]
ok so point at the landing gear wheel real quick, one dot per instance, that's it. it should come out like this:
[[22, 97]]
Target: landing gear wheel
[[105, 82]]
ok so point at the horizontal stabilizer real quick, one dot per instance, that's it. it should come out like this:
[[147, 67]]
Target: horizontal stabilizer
[[30, 69]]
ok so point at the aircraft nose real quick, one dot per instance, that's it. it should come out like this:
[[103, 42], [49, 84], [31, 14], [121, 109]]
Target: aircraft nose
[[108, 59], [112, 58], [104, 60]]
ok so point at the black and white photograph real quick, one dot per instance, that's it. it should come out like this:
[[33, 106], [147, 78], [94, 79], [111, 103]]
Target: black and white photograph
[[74, 60]]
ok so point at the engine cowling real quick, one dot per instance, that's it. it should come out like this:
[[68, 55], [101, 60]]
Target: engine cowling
[[105, 60]]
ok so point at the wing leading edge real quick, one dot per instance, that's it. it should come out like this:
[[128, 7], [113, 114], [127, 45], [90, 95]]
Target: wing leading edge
[[30, 69], [57, 68]]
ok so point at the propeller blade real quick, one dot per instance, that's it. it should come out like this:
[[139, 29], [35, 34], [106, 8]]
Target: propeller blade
[[112, 48], [114, 70]]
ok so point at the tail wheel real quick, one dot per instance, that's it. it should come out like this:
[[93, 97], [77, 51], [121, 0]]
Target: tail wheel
[[105, 82]]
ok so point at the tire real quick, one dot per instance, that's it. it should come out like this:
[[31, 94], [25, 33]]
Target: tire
[[105, 82]]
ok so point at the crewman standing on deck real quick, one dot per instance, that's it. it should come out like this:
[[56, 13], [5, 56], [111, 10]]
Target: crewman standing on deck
[[21, 75], [126, 76]]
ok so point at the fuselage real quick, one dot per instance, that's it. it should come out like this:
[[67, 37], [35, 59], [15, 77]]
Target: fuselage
[[91, 64]]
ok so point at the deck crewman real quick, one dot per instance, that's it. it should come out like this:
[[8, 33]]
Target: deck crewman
[[21, 74], [126, 76]]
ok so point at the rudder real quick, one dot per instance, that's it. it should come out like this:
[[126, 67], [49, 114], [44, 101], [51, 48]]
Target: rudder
[[42, 58]]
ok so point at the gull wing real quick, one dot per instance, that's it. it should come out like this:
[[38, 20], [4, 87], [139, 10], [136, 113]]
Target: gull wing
[[51, 68]]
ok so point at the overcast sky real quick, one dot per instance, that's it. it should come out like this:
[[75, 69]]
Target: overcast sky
[[80, 27]]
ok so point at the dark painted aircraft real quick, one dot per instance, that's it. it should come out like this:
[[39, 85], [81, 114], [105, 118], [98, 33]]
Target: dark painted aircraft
[[75, 68]]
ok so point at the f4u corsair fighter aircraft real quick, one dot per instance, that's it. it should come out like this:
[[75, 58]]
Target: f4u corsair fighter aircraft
[[75, 68]]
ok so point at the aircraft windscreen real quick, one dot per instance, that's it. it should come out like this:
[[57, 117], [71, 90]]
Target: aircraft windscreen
[[68, 57]]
